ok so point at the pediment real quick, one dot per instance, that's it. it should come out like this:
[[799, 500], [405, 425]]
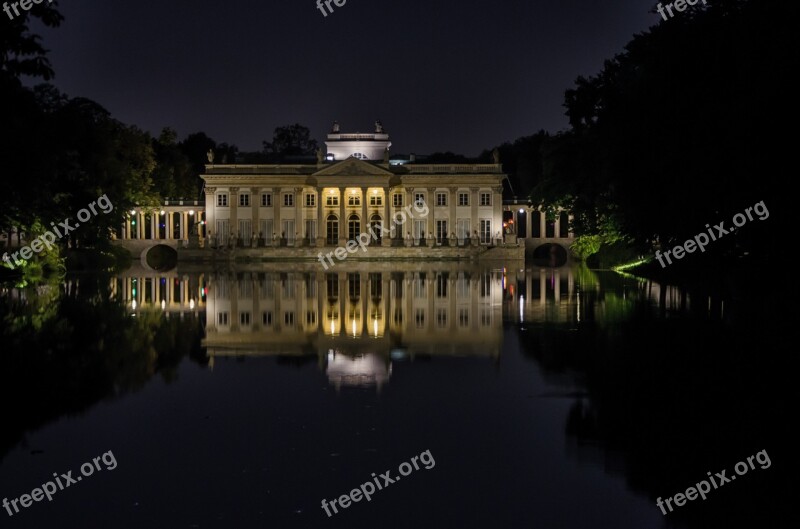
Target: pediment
[[353, 167]]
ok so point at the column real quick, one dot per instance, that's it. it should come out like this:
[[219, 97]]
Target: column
[[431, 198], [386, 237], [408, 200], [321, 226], [255, 203], [451, 222], [497, 212], [211, 213], [474, 200], [557, 227], [364, 212], [277, 203], [299, 206], [342, 219], [234, 206], [528, 222], [543, 223]]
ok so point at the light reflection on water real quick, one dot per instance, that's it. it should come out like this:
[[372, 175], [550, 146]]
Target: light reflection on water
[[376, 335]]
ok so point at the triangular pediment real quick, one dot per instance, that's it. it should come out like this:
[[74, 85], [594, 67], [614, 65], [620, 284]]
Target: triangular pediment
[[353, 167]]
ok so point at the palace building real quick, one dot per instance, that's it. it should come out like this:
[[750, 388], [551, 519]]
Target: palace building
[[352, 189]]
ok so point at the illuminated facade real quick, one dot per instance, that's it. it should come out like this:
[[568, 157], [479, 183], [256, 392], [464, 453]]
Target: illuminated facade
[[349, 190]]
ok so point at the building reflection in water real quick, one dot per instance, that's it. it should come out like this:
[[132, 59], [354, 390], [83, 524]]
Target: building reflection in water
[[169, 291], [356, 322]]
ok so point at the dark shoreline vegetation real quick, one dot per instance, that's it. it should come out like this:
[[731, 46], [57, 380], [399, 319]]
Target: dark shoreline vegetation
[[673, 133]]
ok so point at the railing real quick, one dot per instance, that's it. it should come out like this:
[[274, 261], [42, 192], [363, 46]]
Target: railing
[[453, 168]]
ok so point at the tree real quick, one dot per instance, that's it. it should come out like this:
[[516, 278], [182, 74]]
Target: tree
[[174, 176], [291, 140], [21, 52], [674, 132]]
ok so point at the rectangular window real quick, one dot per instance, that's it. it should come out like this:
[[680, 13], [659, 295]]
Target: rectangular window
[[311, 318], [441, 318], [245, 231], [441, 199], [441, 285], [288, 199], [419, 198], [354, 200], [266, 231], [463, 317], [332, 200], [288, 319], [244, 199], [222, 318], [266, 200], [332, 286], [463, 199], [311, 230], [266, 318], [222, 200], [419, 229], [441, 231], [486, 199], [397, 200], [486, 231], [376, 200], [419, 318], [244, 318], [486, 285], [311, 200], [354, 285], [462, 229]]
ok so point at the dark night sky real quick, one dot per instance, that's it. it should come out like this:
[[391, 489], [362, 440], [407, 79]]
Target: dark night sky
[[440, 74]]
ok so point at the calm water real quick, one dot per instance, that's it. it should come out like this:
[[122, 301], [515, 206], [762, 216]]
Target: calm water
[[547, 398]]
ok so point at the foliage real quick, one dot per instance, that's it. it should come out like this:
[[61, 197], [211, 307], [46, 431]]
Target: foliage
[[291, 140]]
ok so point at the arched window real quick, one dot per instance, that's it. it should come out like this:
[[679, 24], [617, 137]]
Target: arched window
[[353, 227], [375, 228], [332, 230]]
